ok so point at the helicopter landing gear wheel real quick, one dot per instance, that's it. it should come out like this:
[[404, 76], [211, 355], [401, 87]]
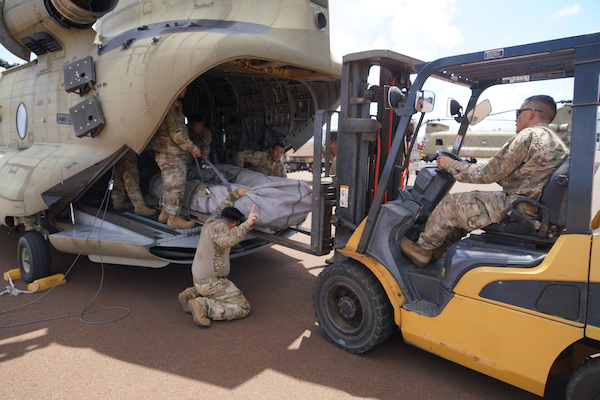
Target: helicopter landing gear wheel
[[33, 256]]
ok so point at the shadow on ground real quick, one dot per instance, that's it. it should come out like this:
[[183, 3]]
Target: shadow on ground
[[280, 334]]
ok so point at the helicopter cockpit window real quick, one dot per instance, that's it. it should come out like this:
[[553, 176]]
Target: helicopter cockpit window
[[22, 120]]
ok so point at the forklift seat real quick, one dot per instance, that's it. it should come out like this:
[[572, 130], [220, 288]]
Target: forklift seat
[[474, 252], [552, 211]]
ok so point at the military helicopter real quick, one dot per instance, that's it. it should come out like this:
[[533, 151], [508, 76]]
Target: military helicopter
[[486, 143], [105, 75]]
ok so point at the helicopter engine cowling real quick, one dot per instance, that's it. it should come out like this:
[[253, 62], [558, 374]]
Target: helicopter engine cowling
[[80, 13], [39, 26]]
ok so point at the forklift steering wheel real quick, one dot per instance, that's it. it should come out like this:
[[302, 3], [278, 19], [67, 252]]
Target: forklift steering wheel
[[448, 154]]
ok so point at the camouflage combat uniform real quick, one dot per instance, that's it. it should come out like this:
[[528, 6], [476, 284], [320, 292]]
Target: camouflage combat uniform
[[173, 147], [260, 162], [202, 140], [127, 179], [522, 167], [219, 297]]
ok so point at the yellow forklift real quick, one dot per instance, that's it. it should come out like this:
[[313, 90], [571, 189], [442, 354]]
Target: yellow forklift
[[520, 302]]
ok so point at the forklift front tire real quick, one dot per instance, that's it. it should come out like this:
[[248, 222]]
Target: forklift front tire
[[583, 384], [33, 255], [352, 307]]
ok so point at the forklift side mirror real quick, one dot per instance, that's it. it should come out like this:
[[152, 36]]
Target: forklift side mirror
[[481, 110], [424, 101], [454, 108]]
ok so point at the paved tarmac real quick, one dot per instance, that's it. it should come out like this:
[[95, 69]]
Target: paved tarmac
[[156, 351]]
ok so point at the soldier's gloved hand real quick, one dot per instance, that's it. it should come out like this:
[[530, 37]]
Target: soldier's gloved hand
[[252, 217], [196, 153]]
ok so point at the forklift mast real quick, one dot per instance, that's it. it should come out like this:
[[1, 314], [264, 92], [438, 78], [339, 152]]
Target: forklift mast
[[364, 140]]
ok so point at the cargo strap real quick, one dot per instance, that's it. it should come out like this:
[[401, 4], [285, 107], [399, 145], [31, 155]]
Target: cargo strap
[[207, 191], [219, 174]]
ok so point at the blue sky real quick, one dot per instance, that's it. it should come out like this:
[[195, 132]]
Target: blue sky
[[431, 29]]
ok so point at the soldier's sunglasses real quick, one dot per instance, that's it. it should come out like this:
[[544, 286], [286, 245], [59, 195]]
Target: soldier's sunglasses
[[520, 110]]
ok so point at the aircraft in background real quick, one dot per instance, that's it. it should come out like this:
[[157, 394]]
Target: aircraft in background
[[486, 143]]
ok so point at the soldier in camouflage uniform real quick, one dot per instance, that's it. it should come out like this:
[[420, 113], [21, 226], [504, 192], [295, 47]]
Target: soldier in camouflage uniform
[[266, 163], [522, 167], [127, 179], [213, 296], [200, 134], [173, 147]]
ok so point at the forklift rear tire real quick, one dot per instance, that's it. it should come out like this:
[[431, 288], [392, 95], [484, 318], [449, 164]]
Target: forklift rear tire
[[352, 307], [583, 384], [34, 257]]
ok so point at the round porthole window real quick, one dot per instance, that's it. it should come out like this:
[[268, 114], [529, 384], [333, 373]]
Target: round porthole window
[[22, 120], [320, 21]]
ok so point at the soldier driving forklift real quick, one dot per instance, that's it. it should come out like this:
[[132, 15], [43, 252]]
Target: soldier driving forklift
[[517, 302]]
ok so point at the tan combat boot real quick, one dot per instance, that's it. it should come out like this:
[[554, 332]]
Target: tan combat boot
[[185, 296], [418, 255], [163, 216], [176, 222], [198, 313], [122, 206], [144, 210]]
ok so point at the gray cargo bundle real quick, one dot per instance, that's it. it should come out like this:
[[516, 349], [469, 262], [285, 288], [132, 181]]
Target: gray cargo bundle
[[280, 202]]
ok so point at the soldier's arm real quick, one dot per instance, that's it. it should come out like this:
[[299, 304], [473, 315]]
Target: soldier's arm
[[196, 140], [281, 170], [228, 201], [240, 157], [253, 157], [501, 165], [206, 139], [226, 238], [180, 137]]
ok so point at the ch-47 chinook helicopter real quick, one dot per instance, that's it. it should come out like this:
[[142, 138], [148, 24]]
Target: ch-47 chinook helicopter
[[486, 143], [106, 73]]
